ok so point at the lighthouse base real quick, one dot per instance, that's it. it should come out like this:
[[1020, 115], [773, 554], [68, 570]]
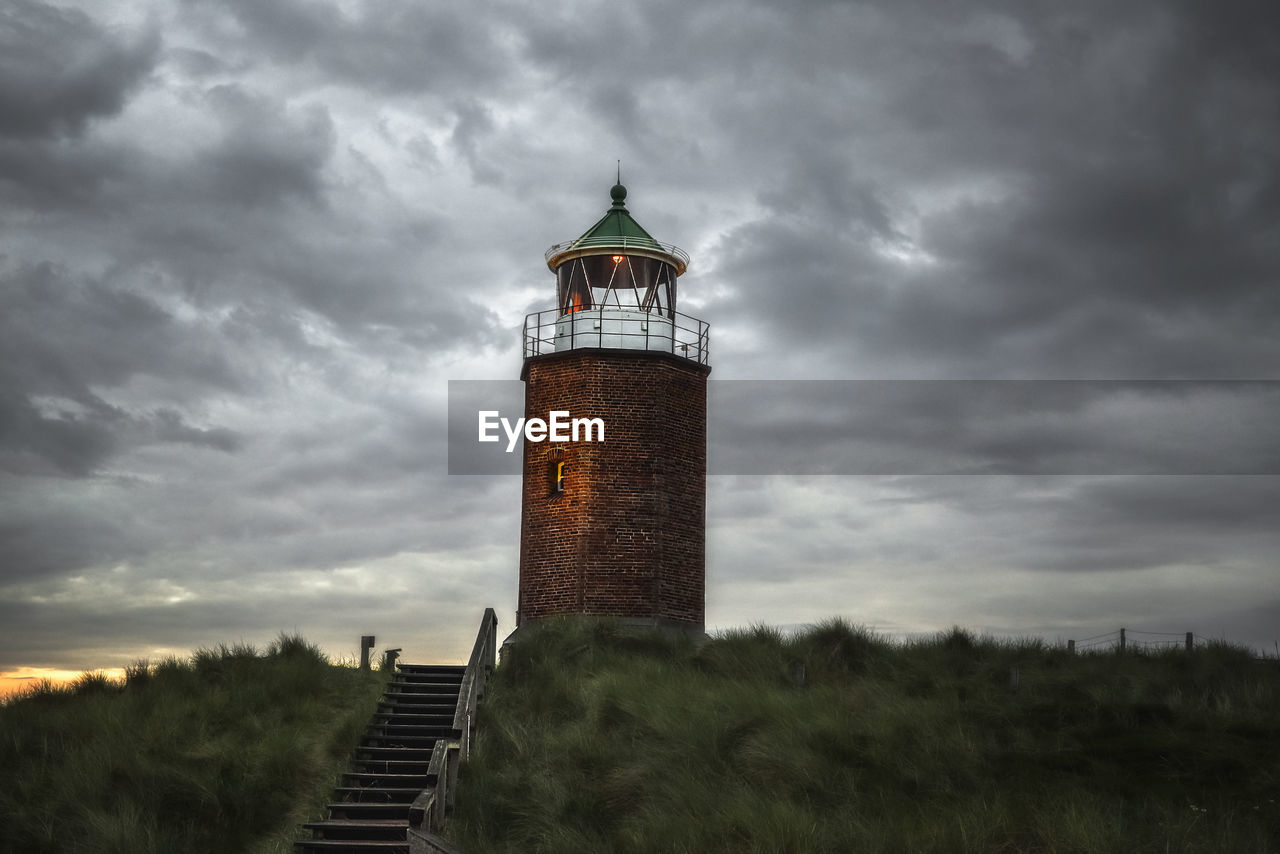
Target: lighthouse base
[[621, 625]]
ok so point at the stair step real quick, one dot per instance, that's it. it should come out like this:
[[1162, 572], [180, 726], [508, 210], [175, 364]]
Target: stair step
[[379, 794], [406, 726], [420, 733], [444, 704], [397, 705], [398, 754], [427, 683], [426, 741], [442, 694], [391, 766], [361, 810], [447, 669], [353, 846], [406, 716], [392, 781], [360, 829]]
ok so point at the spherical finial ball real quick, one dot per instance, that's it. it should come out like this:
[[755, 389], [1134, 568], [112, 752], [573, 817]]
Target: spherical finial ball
[[618, 193]]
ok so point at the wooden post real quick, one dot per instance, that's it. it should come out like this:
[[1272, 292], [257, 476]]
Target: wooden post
[[1071, 647], [366, 644], [1122, 640], [1015, 679], [1190, 641]]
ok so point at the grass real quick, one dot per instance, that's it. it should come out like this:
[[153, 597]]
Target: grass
[[595, 740], [226, 751]]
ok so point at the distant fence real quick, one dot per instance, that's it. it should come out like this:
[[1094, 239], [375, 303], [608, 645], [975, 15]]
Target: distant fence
[[1123, 640]]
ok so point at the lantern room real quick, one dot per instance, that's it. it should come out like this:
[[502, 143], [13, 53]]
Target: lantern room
[[616, 289]]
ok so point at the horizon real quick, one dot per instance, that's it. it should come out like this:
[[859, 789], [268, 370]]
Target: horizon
[[14, 682]]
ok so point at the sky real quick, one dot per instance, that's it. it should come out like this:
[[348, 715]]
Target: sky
[[244, 247]]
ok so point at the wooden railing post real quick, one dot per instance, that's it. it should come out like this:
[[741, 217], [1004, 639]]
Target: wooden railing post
[[1122, 640], [366, 644], [1190, 641]]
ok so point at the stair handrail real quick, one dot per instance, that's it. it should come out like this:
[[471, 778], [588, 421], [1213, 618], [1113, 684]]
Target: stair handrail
[[428, 809], [483, 658]]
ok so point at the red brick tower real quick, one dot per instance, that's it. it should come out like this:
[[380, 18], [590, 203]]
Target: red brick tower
[[616, 527]]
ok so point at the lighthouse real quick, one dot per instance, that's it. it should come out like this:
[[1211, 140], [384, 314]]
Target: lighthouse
[[616, 526]]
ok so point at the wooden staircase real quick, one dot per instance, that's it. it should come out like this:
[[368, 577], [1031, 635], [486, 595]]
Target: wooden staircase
[[370, 809], [402, 779]]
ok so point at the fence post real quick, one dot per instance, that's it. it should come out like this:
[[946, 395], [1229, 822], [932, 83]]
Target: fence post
[[389, 657], [1071, 647], [366, 644], [1122, 640], [1190, 641]]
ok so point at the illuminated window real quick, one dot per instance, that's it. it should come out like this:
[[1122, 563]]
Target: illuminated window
[[559, 471]]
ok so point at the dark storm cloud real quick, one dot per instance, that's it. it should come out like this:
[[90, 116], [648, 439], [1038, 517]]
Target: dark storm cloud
[[51, 176], [1151, 507], [60, 338], [1120, 215], [167, 425], [263, 158], [68, 443], [80, 438], [67, 333], [59, 69], [1122, 524], [393, 49], [993, 427], [45, 533]]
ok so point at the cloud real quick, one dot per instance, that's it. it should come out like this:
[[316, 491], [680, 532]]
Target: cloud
[[60, 69], [1084, 251], [393, 51], [63, 342]]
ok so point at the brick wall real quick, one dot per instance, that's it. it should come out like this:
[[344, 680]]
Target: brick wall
[[627, 536]]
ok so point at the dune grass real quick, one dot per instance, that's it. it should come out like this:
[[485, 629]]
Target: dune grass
[[594, 740], [226, 751]]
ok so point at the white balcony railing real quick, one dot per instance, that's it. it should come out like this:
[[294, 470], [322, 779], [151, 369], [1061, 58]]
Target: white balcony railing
[[613, 329]]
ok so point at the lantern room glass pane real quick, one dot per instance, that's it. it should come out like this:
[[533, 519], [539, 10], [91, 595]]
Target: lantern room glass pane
[[628, 282]]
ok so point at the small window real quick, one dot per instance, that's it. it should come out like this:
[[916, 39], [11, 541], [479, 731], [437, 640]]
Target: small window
[[559, 470]]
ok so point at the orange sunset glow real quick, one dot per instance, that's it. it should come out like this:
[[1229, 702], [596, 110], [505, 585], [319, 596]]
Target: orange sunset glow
[[15, 681]]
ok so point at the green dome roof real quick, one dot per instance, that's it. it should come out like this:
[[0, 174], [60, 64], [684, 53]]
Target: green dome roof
[[617, 231]]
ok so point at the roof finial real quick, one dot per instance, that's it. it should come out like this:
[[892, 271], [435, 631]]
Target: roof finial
[[619, 192]]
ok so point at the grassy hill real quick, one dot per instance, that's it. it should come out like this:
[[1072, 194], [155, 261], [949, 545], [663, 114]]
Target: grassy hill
[[596, 741], [224, 752]]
